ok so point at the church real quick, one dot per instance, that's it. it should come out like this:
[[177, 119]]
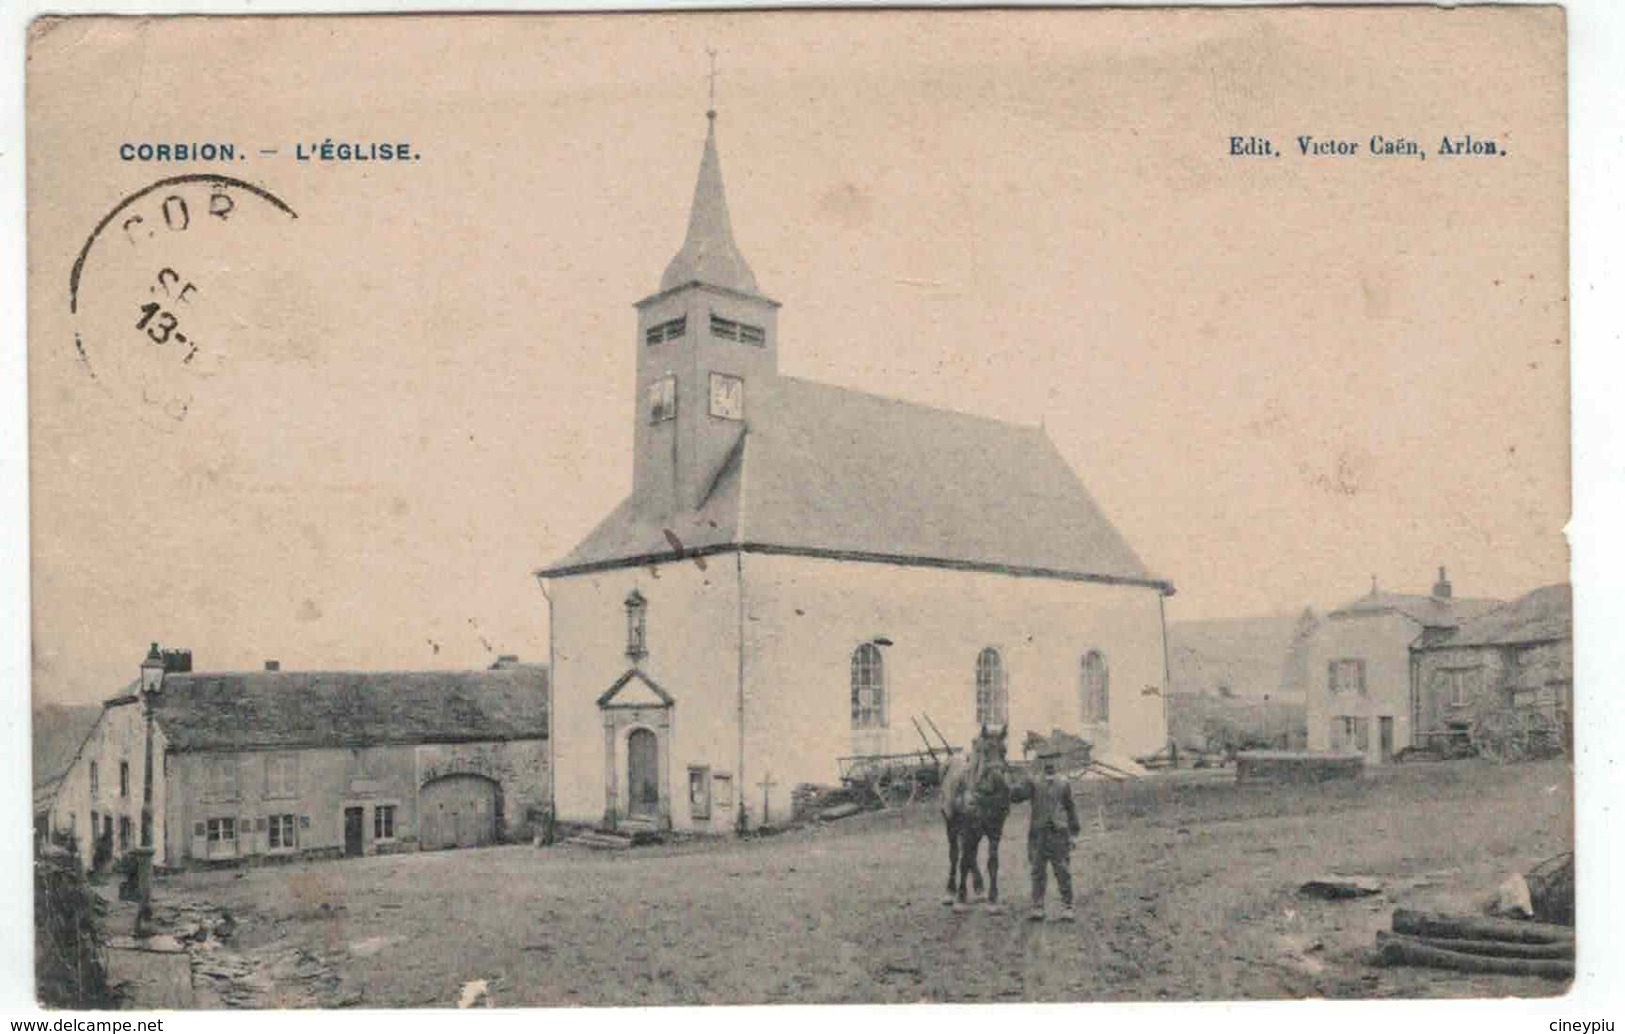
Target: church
[[800, 570]]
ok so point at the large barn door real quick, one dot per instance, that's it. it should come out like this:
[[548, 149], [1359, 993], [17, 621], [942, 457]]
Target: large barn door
[[457, 811]]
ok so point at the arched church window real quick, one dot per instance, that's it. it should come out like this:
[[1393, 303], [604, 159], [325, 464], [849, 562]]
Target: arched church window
[[868, 688], [1092, 684], [992, 694], [637, 615]]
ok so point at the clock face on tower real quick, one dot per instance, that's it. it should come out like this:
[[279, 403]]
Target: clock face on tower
[[727, 397]]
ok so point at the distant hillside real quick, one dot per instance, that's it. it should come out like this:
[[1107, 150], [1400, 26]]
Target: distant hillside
[[58, 731], [1242, 657]]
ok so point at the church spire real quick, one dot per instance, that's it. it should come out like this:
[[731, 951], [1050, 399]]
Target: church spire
[[709, 254]]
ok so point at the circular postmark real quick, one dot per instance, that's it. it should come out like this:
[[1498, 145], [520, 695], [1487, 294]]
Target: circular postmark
[[163, 292]]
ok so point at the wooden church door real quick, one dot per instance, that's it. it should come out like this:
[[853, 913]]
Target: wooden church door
[[643, 773]]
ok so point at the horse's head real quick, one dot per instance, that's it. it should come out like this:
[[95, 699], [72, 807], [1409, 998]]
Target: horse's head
[[993, 746], [990, 755]]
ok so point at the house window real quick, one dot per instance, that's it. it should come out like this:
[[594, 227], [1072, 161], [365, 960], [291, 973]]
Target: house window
[[992, 695], [124, 779], [734, 331], [722, 792], [282, 775], [699, 791], [124, 831], [868, 688], [383, 822], [283, 835], [1346, 676], [663, 400], [221, 831], [670, 330], [1092, 680], [221, 778], [637, 625], [1350, 734], [1462, 685], [95, 779]]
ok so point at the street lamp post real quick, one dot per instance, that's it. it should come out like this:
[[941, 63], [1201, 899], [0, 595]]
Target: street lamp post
[[152, 679]]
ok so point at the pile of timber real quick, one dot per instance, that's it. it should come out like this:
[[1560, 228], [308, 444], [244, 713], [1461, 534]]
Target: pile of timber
[[1476, 944]]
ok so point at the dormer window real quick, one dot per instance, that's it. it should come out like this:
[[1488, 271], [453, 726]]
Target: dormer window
[[730, 330], [637, 612], [670, 330]]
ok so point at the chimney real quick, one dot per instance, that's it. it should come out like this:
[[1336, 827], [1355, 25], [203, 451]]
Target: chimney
[[177, 662], [273, 665], [1441, 588]]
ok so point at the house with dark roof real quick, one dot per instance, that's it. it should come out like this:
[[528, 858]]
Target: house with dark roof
[[800, 569], [1514, 663], [266, 764], [1359, 687]]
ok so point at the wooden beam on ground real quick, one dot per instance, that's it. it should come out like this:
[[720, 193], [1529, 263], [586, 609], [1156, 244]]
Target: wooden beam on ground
[[1500, 949], [1478, 928], [1409, 951]]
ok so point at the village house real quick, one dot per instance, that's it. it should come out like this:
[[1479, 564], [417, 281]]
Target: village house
[[1514, 664], [1359, 697], [801, 571], [263, 764]]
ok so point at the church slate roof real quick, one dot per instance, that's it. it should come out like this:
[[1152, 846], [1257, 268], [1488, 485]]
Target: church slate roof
[[301, 709], [828, 471]]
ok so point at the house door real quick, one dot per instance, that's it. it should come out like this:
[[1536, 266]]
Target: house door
[[1385, 739], [352, 831], [643, 773]]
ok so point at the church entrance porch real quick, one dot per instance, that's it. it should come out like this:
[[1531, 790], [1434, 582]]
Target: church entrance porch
[[637, 717]]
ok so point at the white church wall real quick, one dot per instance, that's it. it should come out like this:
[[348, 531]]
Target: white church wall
[[806, 616], [692, 632]]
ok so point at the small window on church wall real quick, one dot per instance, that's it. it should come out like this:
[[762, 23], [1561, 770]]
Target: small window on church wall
[[992, 695], [868, 688], [663, 400], [1093, 689], [637, 627]]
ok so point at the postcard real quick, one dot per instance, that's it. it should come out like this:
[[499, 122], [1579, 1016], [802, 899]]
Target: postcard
[[818, 506]]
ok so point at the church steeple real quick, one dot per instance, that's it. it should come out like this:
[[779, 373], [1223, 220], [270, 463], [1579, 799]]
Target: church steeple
[[709, 254], [707, 355]]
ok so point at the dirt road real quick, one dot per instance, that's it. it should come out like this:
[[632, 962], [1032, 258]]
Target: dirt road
[[1187, 889]]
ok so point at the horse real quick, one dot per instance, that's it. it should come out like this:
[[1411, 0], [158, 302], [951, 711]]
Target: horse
[[975, 803]]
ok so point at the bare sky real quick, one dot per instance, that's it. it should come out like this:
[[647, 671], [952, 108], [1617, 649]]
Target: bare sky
[[1278, 376]]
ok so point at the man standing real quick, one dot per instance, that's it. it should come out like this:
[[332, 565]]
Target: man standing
[[1049, 840]]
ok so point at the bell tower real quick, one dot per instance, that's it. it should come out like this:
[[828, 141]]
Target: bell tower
[[707, 347]]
